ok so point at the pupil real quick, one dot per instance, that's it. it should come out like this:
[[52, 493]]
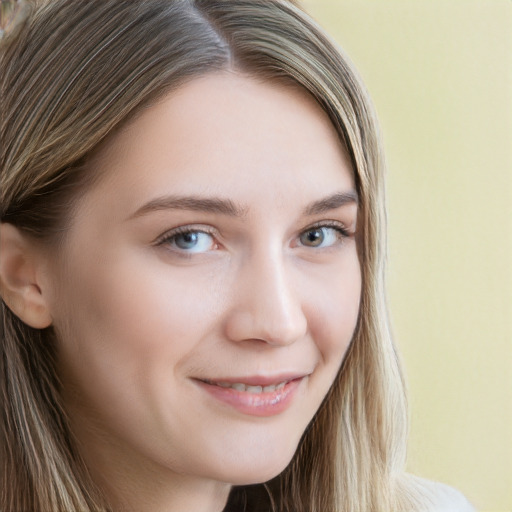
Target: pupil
[[187, 240], [314, 237]]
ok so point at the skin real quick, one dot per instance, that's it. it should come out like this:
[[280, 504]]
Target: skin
[[142, 319]]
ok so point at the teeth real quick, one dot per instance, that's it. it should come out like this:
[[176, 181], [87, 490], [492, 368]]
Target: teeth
[[238, 386]]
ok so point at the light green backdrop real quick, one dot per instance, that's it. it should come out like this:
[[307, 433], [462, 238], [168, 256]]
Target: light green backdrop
[[440, 75]]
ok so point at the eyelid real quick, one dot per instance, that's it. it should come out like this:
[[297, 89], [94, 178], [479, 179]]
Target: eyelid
[[180, 230], [335, 224], [338, 229]]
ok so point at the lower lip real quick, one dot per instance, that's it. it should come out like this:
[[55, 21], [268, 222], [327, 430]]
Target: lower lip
[[255, 404]]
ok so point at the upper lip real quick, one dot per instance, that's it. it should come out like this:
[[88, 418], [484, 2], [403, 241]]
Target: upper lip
[[257, 380]]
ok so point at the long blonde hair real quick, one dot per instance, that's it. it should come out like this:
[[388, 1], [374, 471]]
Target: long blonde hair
[[74, 73]]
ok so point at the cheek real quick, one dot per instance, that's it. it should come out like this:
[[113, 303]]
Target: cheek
[[124, 329], [127, 333], [121, 301], [333, 316]]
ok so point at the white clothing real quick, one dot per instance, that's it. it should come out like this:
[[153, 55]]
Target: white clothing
[[445, 498]]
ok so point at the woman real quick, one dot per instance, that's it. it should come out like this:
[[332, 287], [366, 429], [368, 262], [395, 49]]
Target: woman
[[192, 267]]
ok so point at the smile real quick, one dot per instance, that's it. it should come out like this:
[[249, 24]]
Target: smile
[[253, 398], [239, 386]]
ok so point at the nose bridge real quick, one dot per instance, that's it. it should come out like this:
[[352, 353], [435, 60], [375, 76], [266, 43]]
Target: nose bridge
[[267, 305]]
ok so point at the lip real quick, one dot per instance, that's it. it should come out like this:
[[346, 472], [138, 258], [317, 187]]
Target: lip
[[261, 404], [259, 380]]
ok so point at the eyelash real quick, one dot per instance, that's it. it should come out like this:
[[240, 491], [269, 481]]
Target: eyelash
[[170, 237], [342, 233]]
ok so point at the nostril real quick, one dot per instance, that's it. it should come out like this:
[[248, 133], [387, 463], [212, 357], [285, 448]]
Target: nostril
[[272, 327], [286, 330]]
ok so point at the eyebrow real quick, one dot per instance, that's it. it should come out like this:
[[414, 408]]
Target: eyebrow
[[331, 203], [193, 203], [228, 207]]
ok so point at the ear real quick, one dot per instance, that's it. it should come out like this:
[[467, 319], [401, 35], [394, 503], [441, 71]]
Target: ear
[[20, 268]]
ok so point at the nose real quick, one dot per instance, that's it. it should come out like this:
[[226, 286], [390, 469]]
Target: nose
[[266, 305]]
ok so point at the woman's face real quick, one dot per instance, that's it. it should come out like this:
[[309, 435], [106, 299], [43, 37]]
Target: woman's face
[[209, 285]]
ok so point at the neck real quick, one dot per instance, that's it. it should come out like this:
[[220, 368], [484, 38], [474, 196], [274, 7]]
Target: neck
[[168, 495]]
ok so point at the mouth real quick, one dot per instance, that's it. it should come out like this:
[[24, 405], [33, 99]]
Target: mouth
[[255, 396], [248, 388]]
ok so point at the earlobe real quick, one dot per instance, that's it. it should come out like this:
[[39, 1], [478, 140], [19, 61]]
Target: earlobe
[[19, 286]]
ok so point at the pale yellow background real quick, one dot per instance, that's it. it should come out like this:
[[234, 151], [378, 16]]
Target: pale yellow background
[[440, 74]]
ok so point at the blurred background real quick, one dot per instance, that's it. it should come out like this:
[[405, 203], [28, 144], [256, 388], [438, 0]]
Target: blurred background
[[440, 75]]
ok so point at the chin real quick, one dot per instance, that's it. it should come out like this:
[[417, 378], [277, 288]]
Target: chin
[[256, 477], [256, 472]]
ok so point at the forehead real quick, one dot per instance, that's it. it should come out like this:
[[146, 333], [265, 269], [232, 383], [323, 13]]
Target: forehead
[[226, 133]]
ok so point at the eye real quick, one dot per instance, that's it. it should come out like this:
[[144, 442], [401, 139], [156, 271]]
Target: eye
[[190, 241], [323, 236]]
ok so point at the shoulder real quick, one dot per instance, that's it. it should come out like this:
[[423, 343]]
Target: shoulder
[[443, 498], [449, 499]]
